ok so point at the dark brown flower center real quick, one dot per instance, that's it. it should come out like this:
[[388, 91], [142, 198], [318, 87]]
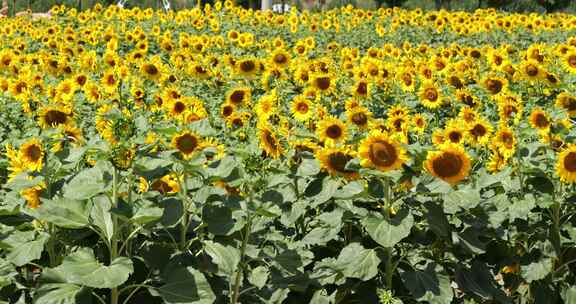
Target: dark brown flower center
[[570, 162], [247, 66], [237, 96], [494, 86], [33, 152], [54, 118], [338, 161], [323, 83], [383, 153], [334, 131], [447, 165], [541, 120], [431, 94], [187, 143]]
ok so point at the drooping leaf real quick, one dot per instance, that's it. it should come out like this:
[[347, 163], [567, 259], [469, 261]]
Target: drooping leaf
[[355, 261], [82, 268], [537, 270], [259, 276], [61, 293], [86, 184], [428, 285], [185, 285], [26, 246], [101, 217], [226, 257], [64, 212], [388, 232]]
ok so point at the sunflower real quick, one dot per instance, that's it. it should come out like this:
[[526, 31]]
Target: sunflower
[[110, 81], [569, 61], [32, 154], [419, 123], [176, 108], [379, 151], [495, 84], [361, 88], [540, 120], [65, 90], [151, 71], [334, 161], [167, 184], [247, 67], [267, 105], [238, 96], [304, 145], [566, 164], [227, 109], [567, 102], [302, 108], [450, 163], [359, 116], [323, 83], [269, 142], [504, 141], [430, 96], [280, 58], [510, 108], [54, 116], [187, 143], [455, 134], [497, 161], [331, 130], [32, 195], [479, 131], [531, 70], [406, 79]]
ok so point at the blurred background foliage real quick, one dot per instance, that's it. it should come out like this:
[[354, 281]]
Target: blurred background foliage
[[540, 6]]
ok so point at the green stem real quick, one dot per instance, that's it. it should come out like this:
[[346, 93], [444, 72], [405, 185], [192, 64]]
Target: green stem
[[184, 220], [389, 250], [114, 295], [236, 289]]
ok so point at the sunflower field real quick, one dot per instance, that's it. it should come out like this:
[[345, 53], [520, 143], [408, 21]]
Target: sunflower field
[[225, 155]]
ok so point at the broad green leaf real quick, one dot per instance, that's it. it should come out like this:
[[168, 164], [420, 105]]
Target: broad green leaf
[[64, 212], [146, 212], [26, 247], [537, 270], [327, 229], [428, 285], [185, 285], [321, 190], [7, 273], [308, 167], [569, 295], [350, 190], [479, 281], [388, 233], [222, 168], [259, 276], [82, 268], [322, 297], [86, 184], [218, 219], [226, 257], [101, 216], [462, 199], [357, 262], [60, 293]]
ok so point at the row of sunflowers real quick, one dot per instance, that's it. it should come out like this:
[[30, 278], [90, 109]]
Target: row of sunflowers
[[225, 155]]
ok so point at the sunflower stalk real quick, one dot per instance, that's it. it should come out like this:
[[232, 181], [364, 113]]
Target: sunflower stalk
[[389, 265], [114, 294], [184, 220]]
